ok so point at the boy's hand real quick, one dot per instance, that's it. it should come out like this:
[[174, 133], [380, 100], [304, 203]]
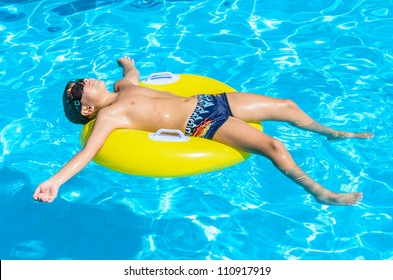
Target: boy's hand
[[126, 61], [46, 192]]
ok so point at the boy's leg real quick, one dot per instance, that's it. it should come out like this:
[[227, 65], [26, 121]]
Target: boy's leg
[[256, 108], [238, 134]]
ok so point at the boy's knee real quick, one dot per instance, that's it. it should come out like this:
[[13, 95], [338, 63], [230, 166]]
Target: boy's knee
[[276, 146], [290, 105]]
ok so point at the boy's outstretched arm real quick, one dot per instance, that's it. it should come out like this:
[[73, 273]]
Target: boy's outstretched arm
[[130, 72], [47, 191]]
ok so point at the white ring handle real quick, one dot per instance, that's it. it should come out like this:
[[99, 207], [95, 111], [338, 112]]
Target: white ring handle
[[161, 78], [168, 135]]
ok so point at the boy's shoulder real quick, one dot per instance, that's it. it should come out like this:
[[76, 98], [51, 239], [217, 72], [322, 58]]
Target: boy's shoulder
[[123, 84]]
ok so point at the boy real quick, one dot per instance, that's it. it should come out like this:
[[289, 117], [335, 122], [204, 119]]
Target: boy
[[135, 107]]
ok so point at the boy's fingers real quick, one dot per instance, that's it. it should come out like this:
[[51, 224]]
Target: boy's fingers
[[37, 191]]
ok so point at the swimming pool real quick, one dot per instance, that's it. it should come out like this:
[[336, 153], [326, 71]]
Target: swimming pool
[[334, 58]]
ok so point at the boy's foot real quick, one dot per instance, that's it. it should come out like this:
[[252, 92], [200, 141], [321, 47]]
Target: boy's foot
[[331, 198]]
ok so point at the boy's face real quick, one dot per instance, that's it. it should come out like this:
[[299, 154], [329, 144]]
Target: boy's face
[[92, 90]]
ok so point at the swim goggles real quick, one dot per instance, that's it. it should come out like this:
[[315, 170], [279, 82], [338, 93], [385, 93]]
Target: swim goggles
[[76, 93]]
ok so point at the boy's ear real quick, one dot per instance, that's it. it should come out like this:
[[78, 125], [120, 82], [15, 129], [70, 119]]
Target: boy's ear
[[87, 110]]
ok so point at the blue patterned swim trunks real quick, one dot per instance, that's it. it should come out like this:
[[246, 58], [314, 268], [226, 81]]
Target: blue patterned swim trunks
[[211, 112]]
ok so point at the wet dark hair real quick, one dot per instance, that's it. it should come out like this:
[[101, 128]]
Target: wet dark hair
[[72, 102]]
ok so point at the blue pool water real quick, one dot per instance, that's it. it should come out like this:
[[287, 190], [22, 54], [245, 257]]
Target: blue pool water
[[334, 58]]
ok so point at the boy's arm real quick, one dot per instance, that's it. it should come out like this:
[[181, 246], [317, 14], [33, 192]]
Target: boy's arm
[[47, 191], [130, 73]]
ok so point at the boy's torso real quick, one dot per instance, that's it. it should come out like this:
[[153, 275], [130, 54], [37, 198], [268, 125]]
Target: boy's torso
[[147, 109]]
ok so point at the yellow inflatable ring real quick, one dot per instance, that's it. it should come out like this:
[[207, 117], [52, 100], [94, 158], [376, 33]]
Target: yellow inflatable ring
[[167, 154]]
